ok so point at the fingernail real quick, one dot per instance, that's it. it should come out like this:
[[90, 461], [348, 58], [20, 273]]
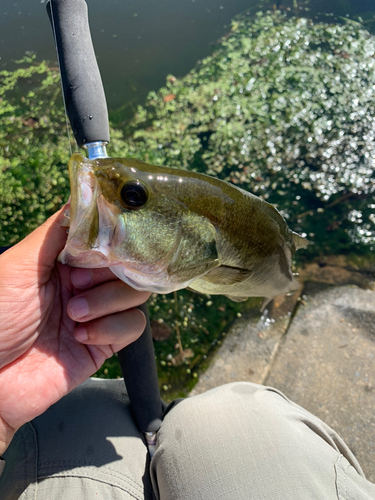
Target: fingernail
[[81, 278], [79, 307], [81, 334]]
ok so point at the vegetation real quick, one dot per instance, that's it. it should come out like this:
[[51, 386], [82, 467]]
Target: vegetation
[[284, 107], [33, 149]]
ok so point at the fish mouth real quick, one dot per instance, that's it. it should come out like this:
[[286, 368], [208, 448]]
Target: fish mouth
[[94, 229]]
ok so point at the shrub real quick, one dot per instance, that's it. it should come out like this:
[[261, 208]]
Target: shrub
[[285, 108]]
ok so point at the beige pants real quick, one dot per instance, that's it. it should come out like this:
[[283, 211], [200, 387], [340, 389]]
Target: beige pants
[[239, 441]]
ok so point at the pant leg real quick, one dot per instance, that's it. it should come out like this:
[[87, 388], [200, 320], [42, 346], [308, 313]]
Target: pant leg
[[245, 441], [234, 442], [84, 447]]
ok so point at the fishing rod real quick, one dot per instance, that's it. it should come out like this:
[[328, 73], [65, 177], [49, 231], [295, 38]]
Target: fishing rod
[[85, 105]]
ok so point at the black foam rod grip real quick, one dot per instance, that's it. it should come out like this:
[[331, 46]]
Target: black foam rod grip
[[82, 85], [138, 367]]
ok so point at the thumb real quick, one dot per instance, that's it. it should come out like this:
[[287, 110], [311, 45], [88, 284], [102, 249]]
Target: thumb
[[41, 247]]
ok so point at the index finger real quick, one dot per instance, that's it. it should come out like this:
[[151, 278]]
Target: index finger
[[86, 277]]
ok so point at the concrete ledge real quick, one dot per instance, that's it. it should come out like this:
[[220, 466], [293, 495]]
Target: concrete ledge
[[323, 359]]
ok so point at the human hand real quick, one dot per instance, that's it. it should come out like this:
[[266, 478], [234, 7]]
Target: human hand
[[44, 307]]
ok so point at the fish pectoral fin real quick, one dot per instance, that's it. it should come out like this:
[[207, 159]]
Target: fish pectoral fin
[[226, 275], [191, 272], [235, 298]]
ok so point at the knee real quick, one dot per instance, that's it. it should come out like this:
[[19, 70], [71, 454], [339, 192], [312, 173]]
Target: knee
[[233, 403], [237, 432]]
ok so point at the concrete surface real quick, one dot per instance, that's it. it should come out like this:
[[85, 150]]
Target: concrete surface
[[323, 359], [247, 354]]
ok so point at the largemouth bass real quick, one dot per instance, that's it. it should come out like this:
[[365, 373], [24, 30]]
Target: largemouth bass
[[162, 229]]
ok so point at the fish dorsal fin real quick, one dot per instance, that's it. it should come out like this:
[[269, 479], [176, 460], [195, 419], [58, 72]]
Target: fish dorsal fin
[[299, 241]]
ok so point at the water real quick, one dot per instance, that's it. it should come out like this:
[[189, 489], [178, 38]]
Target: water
[[139, 42]]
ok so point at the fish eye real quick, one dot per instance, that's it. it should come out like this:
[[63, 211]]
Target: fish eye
[[134, 194]]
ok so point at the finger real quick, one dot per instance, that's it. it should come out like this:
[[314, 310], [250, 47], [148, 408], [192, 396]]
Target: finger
[[85, 277], [117, 330], [108, 298]]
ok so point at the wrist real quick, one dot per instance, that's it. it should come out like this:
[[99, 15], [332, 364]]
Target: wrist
[[6, 435]]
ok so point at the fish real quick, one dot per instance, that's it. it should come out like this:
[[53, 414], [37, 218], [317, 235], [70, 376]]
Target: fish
[[161, 229]]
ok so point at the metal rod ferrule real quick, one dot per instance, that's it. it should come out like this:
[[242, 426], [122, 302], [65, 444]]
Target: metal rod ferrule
[[96, 150], [151, 438]]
